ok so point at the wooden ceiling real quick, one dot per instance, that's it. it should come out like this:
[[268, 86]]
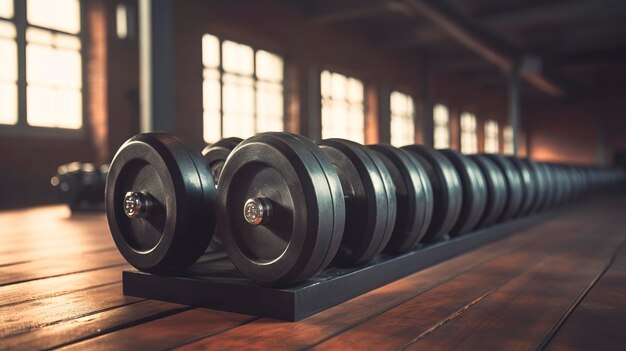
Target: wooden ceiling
[[560, 47]]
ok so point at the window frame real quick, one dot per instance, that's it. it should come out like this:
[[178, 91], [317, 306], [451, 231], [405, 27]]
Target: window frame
[[220, 69], [21, 128], [348, 75]]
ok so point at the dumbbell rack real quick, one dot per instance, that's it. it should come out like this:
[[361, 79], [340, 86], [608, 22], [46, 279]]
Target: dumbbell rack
[[214, 282]]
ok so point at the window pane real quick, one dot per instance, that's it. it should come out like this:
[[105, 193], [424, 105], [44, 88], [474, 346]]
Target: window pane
[[342, 107], [238, 106], [8, 103], [62, 15], [210, 51], [491, 137], [269, 66], [121, 21], [54, 79], [507, 136], [238, 58], [8, 65], [6, 8], [402, 119], [441, 128], [469, 139]]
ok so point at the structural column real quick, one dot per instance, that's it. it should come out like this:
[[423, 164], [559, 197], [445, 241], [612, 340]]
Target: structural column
[[426, 106], [514, 108], [156, 65]]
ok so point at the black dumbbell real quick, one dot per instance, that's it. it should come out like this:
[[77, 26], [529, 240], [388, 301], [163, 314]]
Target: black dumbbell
[[80, 185], [414, 197], [217, 153], [370, 200], [448, 196], [474, 188]]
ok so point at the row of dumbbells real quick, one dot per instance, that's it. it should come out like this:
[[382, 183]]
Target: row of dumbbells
[[284, 207]]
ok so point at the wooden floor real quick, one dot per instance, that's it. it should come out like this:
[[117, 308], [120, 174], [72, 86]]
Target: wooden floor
[[559, 285]]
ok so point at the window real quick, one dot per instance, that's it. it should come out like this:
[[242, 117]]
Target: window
[[507, 138], [53, 65], [402, 119], [343, 113], [8, 69], [242, 90], [441, 119], [491, 137], [469, 140]]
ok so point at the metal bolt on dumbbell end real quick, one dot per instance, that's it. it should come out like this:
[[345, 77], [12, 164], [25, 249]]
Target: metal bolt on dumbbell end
[[257, 210], [137, 204]]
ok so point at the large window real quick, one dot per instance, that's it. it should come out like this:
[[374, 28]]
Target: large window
[[491, 137], [507, 138], [402, 119], [441, 127], [343, 113], [469, 140], [53, 64], [242, 90]]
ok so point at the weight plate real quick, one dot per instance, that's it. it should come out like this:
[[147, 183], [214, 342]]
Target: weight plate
[[474, 191], [550, 188], [217, 153], [281, 210], [497, 193], [529, 185], [370, 200], [160, 202], [514, 186], [540, 181], [448, 196], [414, 197]]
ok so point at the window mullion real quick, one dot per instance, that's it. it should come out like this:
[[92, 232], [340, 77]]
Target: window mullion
[[19, 13]]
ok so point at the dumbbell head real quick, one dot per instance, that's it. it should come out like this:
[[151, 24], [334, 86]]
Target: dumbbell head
[[497, 192], [281, 210], [217, 153], [414, 197], [513, 184], [370, 200], [79, 184], [447, 191], [474, 189], [529, 185], [159, 202]]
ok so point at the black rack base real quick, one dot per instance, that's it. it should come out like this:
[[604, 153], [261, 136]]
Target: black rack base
[[216, 284]]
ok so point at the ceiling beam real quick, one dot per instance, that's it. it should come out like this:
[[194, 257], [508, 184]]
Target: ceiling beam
[[487, 45], [344, 10], [514, 20]]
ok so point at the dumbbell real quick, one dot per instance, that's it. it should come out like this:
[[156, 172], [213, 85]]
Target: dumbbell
[[217, 153], [527, 184], [80, 185], [497, 191], [414, 197], [474, 188], [446, 184], [513, 182], [370, 200]]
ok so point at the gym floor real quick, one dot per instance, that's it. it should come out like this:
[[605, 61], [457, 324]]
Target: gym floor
[[560, 284]]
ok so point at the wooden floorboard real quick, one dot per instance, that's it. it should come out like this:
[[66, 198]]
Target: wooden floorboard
[[599, 320], [560, 283]]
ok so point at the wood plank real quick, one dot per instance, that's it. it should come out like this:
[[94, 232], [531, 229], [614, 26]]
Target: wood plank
[[166, 333], [20, 318], [267, 334], [60, 266], [408, 321], [89, 326], [599, 321], [56, 286]]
